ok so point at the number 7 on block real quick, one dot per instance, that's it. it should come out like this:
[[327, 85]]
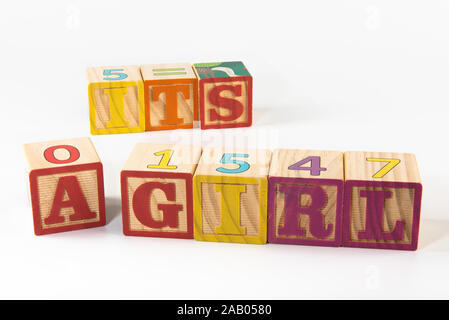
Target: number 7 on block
[[387, 168]]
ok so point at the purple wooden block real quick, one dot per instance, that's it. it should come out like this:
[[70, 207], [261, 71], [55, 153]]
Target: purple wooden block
[[369, 205], [318, 223]]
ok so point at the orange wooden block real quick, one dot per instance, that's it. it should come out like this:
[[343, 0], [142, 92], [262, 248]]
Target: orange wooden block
[[171, 96]]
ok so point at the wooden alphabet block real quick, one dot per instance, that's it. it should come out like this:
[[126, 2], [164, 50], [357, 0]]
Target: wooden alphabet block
[[225, 95], [305, 197], [156, 184], [66, 185], [382, 201], [230, 195], [116, 100], [171, 96]]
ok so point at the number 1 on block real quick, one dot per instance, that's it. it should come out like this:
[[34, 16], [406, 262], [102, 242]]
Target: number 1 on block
[[164, 162]]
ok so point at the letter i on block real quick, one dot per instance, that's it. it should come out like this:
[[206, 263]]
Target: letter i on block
[[171, 96], [156, 186], [382, 200], [305, 197], [230, 195], [116, 100], [225, 95], [66, 184]]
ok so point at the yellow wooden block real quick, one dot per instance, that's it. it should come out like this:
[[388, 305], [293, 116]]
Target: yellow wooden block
[[116, 100], [230, 195]]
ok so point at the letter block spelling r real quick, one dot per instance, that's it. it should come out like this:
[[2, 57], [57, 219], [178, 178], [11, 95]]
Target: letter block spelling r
[[156, 184]]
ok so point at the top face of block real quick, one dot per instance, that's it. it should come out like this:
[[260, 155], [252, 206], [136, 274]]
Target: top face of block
[[163, 158], [381, 166], [221, 70], [307, 164], [51, 154], [167, 71], [234, 162], [113, 74]]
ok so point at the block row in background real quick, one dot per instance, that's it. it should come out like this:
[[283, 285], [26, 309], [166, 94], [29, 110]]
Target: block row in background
[[125, 99], [307, 197]]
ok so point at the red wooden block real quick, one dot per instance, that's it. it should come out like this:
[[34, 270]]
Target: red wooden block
[[66, 185]]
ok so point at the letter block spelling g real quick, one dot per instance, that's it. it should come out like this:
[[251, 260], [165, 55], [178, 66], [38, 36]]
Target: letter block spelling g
[[171, 96], [382, 201], [156, 186], [116, 100], [305, 197], [230, 195], [66, 185], [225, 95]]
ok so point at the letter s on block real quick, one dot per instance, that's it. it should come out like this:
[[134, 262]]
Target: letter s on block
[[234, 106], [142, 205]]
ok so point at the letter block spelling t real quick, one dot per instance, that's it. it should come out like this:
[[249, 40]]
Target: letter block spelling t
[[171, 96], [156, 186], [116, 103], [225, 95], [230, 195], [305, 197], [382, 201], [66, 184]]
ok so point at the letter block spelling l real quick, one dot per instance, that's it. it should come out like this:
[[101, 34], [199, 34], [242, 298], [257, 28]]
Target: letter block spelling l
[[225, 95], [230, 195], [305, 197], [116, 100], [66, 184], [382, 202], [171, 96], [156, 186]]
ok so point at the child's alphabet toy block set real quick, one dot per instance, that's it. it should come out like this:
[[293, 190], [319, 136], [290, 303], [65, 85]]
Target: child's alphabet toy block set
[[305, 197], [126, 99]]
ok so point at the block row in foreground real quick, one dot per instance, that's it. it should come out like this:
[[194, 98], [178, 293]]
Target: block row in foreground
[[126, 99], [308, 197]]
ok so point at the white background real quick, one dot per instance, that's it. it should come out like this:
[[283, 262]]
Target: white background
[[342, 75]]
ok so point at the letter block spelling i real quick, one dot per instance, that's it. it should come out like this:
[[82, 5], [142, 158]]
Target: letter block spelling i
[[382, 201], [171, 96], [230, 195], [156, 186], [116, 100], [305, 197], [225, 95], [66, 185]]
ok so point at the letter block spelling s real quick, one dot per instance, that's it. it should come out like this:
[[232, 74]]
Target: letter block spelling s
[[225, 95], [66, 185], [382, 202], [116, 100], [156, 184], [230, 195], [305, 197]]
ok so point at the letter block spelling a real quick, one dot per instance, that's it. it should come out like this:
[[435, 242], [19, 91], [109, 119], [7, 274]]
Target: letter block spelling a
[[156, 186], [305, 197], [66, 185], [116, 100], [382, 201], [230, 195], [171, 96], [225, 95]]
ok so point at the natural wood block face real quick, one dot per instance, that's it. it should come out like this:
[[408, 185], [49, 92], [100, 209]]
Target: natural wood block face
[[171, 96], [382, 200], [66, 184], [225, 95], [116, 99], [305, 197], [156, 184], [230, 195]]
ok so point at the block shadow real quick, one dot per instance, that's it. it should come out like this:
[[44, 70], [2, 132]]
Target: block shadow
[[113, 208], [431, 232]]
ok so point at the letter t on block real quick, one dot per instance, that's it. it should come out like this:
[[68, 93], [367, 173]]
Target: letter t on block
[[230, 195], [66, 184], [305, 197], [156, 186], [382, 200]]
